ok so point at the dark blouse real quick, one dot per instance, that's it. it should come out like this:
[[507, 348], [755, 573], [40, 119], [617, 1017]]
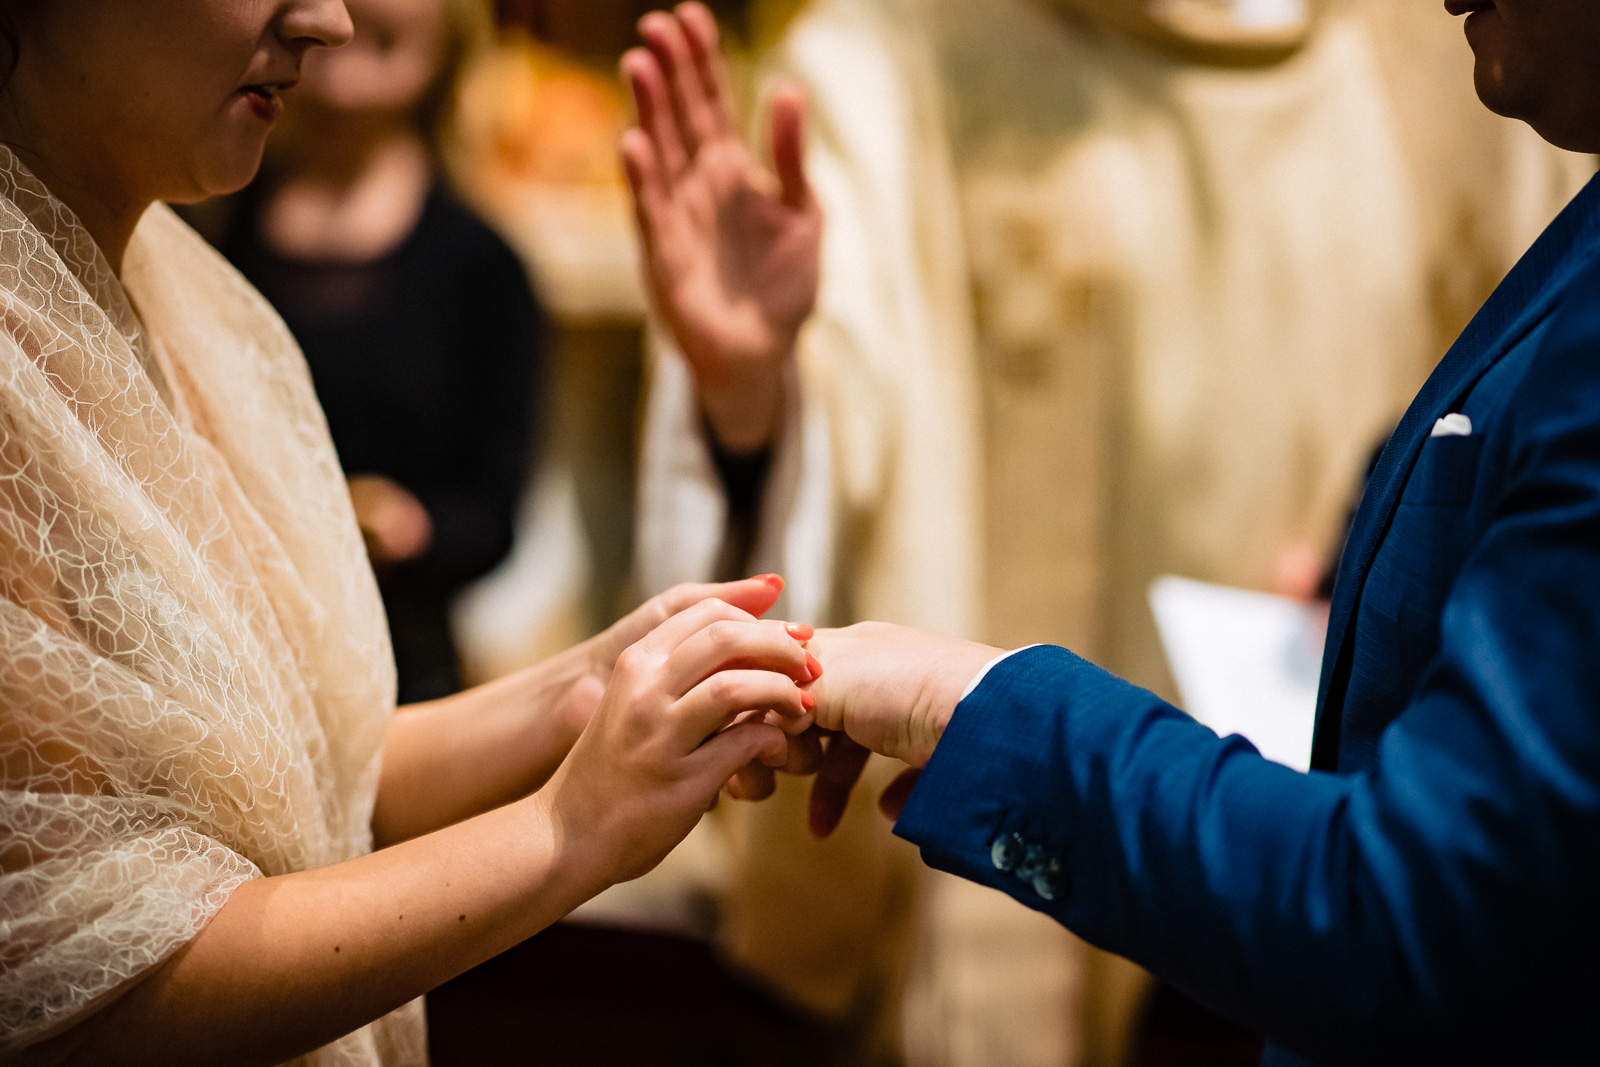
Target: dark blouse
[[428, 363]]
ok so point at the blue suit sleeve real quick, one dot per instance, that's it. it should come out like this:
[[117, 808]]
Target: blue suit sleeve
[[1441, 904]]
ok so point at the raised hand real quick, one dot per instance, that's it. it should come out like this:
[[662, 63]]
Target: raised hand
[[731, 250]]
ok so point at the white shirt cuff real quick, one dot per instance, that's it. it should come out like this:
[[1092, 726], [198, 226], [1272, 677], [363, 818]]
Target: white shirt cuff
[[983, 672]]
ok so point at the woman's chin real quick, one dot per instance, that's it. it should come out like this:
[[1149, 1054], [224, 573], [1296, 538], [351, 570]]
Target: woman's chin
[[223, 172]]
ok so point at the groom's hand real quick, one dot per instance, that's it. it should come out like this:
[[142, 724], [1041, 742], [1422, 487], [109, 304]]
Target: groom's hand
[[885, 689], [731, 250]]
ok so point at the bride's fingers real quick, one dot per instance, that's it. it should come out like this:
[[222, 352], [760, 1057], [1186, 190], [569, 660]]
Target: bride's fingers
[[713, 705], [657, 117], [716, 762], [665, 638], [842, 764], [756, 595], [668, 42], [730, 643], [753, 595], [700, 30]]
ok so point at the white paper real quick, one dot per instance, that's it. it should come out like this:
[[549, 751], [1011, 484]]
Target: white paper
[[1246, 663]]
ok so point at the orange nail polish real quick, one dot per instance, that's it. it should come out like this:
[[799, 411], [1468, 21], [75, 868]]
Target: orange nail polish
[[808, 701], [774, 580], [799, 631], [813, 666]]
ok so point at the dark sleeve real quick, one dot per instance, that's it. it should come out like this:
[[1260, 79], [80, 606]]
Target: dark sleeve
[[474, 514], [1440, 907], [744, 482]]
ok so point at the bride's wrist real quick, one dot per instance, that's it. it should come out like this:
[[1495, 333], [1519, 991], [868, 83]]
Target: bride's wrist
[[579, 869]]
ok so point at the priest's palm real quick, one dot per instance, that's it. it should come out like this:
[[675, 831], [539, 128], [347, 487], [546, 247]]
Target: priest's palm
[[731, 250]]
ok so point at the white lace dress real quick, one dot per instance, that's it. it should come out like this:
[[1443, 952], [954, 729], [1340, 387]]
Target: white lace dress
[[194, 668]]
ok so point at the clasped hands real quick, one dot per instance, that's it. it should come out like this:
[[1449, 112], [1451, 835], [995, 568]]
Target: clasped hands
[[810, 702], [694, 693]]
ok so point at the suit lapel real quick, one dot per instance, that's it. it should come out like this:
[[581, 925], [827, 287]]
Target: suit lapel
[[1527, 295]]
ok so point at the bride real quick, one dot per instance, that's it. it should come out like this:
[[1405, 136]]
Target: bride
[[198, 754]]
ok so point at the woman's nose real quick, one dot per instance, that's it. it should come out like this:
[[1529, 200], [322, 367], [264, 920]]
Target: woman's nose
[[318, 22]]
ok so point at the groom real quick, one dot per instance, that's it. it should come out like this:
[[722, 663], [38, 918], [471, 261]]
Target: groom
[[1431, 891]]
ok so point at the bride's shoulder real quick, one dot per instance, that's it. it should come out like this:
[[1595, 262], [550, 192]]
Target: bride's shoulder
[[170, 269]]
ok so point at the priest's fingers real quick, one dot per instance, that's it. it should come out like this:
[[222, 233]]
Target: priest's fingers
[[700, 30], [669, 44], [657, 117], [842, 764], [648, 185], [786, 122], [893, 800], [727, 643]]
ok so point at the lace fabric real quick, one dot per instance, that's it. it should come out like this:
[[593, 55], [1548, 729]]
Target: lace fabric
[[194, 667]]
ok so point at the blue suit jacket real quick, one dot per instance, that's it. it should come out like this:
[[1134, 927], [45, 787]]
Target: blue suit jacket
[[1431, 891]]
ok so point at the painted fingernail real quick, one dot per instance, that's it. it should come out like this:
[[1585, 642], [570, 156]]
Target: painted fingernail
[[808, 701], [813, 666], [774, 580], [799, 631]]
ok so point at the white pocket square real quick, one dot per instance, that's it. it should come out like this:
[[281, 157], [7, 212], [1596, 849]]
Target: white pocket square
[[1454, 424]]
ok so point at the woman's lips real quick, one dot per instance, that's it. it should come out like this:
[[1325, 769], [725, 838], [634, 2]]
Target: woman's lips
[[264, 100]]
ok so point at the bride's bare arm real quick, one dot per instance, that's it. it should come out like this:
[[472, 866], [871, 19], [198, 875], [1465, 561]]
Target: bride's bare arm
[[292, 962], [451, 759]]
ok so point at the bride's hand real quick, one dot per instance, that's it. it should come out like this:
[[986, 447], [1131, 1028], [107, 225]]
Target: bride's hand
[[687, 706], [754, 595], [884, 689], [598, 655], [731, 250]]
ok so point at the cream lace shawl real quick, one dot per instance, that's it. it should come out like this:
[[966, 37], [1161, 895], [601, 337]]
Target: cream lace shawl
[[195, 673]]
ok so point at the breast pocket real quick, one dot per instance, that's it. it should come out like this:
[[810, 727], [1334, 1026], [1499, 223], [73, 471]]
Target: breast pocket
[[1446, 472]]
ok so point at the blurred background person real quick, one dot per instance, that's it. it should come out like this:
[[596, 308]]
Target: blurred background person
[[424, 339], [1167, 211]]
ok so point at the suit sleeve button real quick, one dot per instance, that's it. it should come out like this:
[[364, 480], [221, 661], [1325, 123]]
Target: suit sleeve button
[[1033, 863], [1048, 881], [1006, 851]]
